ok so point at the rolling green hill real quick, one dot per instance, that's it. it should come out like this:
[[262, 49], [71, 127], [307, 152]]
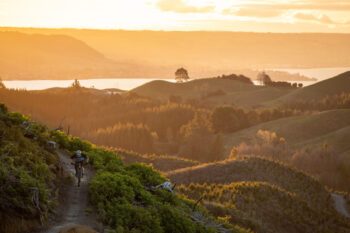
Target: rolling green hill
[[332, 86], [331, 127], [265, 208], [212, 91], [255, 169], [262, 195]]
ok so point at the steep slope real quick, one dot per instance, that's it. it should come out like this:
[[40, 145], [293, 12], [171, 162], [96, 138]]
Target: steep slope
[[329, 127], [332, 86], [262, 195], [36, 56], [28, 174]]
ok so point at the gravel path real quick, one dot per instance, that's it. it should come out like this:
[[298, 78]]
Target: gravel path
[[76, 210]]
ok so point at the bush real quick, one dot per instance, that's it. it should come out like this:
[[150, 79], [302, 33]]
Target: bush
[[24, 166], [147, 176], [126, 202], [69, 142]]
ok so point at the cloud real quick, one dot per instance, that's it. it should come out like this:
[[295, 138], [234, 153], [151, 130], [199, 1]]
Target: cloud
[[275, 8], [329, 5], [253, 12], [324, 19], [180, 6]]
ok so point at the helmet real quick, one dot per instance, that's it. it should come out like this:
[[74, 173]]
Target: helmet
[[78, 153]]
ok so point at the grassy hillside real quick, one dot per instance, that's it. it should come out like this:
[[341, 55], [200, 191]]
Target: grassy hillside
[[163, 163], [37, 56], [262, 195], [330, 127], [332, 86], [212, 91], [255, 169], [265, 208], [26, 168]]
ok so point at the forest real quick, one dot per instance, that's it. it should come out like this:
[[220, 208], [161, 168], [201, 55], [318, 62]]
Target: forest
[[138, 123], [175, 116], [180, 127]]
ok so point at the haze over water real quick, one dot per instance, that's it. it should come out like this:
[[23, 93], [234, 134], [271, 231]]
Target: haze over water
[[130, 83]]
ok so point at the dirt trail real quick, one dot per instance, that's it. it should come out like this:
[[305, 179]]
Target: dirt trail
[[340, 204], [75, 206]]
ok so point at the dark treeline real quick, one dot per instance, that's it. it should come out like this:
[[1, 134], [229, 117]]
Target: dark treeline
[[338, 101], [129, 136], [236, 77], [229, 119], [266, 80], [284, 84]]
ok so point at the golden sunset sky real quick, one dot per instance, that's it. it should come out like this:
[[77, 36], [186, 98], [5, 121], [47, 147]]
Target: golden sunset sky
[[184, 15]]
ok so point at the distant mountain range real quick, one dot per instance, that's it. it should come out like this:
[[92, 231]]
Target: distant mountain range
[[158, 54], [38, 56]]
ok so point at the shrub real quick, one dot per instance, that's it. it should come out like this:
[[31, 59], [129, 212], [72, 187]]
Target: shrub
[[24, 166], [126, 201]]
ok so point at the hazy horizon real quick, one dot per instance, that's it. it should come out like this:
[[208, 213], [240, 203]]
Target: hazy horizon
[[12, 27], [181, 15], [107, 105]]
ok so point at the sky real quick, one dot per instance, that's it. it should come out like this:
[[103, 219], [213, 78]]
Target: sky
[[181, 15]]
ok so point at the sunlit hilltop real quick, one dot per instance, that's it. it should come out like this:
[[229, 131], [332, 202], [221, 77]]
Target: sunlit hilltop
[[174, 116]]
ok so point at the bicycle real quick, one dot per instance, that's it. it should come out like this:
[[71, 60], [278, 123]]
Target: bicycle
[[79, 173]]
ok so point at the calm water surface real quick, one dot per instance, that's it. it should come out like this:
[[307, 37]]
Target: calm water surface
[[120, 83], [128, 84]]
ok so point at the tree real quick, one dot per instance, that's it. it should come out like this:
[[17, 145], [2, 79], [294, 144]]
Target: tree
[[181, 75], [217, 149], [2, 85], [76, 84], [264, 78], [300, 85], [197, 139]]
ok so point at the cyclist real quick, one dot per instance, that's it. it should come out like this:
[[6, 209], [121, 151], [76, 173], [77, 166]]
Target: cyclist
[[79, 159]]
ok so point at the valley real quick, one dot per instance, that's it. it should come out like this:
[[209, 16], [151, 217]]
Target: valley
[[205, 132]]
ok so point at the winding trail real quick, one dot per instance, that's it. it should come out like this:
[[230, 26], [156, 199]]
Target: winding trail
[[340, 204], [75, 206]]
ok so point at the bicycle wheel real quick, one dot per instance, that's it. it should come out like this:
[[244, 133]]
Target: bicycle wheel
[[79, 174]]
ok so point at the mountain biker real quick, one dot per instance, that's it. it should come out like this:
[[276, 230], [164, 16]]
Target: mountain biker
[[79, 159]]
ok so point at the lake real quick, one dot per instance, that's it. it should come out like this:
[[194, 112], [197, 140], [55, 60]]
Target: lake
[[120, 83], [318, 73], [128, 84]]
